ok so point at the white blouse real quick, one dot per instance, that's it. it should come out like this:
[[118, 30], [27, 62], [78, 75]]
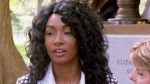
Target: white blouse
[[49, 77]]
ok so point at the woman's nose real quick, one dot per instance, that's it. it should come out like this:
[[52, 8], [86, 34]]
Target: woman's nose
[[59, 40], [132, 76]]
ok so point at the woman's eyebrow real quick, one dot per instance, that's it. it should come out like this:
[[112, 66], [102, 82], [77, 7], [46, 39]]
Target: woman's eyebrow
[[65, 26], [49, 26]]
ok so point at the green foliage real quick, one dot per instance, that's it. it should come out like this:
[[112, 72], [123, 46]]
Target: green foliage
[[142, 6], [21, 49], [22, 13]]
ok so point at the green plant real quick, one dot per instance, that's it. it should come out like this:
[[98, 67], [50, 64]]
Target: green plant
[[21, 49]]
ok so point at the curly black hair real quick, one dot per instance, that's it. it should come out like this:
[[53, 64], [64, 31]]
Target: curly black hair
[[85, 26]]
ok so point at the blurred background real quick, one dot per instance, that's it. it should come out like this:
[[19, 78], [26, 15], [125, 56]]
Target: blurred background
[[16, 18], [22, 13]]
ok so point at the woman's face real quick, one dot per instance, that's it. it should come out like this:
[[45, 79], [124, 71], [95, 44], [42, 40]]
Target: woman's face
[[140, 76], [61, 45]]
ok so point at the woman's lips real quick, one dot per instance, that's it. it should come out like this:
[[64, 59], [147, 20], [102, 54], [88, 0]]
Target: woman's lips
[[59, 52]]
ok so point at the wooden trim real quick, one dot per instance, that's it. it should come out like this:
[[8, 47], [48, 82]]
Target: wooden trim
[[127, 29]]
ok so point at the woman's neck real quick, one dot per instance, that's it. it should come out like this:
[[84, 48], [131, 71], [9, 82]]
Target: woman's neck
[[67, 74]]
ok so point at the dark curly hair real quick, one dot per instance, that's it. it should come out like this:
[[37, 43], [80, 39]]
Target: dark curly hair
[[85, 26]]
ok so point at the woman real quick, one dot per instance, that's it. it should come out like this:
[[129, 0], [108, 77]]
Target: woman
[[67, 46], [140, 58]]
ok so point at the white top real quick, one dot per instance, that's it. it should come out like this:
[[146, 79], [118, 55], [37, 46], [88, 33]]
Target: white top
[[49, 77]]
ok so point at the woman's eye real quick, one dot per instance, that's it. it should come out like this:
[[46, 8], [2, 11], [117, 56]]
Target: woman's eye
[[50, 33], [141, 74], [67, 33]]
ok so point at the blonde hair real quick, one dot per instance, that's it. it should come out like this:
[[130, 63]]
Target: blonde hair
[[140, 54]]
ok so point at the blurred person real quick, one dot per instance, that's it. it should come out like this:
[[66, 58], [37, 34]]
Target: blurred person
[[67, 46], [140, 58]]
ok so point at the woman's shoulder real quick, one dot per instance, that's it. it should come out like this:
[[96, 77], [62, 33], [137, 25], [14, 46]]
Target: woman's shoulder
[[23, 80], [111, 79]]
